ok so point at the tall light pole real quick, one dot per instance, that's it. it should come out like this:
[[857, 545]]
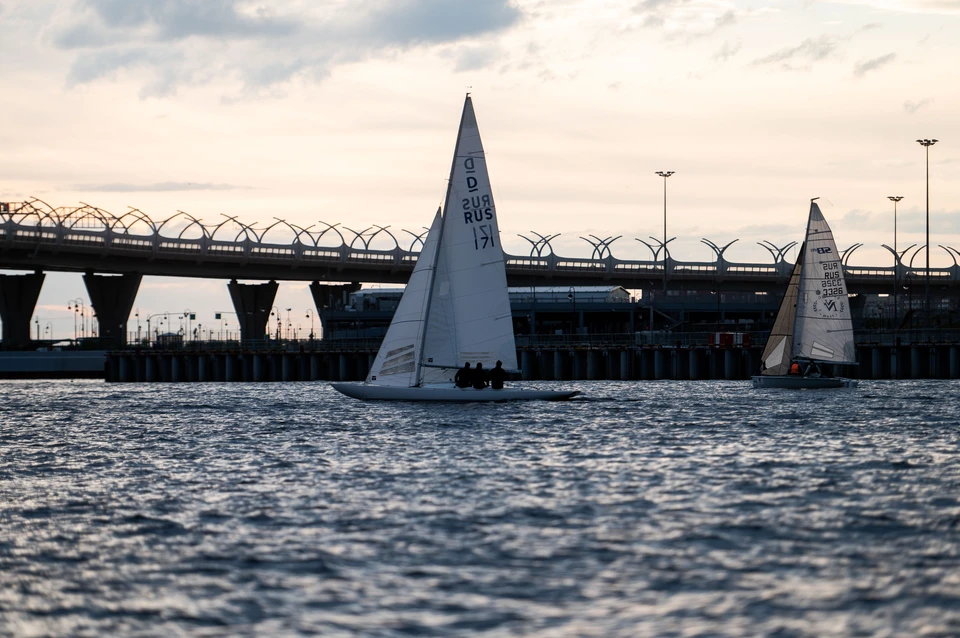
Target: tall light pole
[[896, 256], [665, 175], [927, 144], [77, 306]]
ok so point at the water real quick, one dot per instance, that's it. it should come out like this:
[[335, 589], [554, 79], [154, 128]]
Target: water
[[667, 509]]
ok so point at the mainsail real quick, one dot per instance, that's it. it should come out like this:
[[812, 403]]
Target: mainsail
[[469, 315], [777, 353], [456, 307], [823, 329]]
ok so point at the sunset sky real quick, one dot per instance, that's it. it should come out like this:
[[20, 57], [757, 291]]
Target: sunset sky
[[346, 111]]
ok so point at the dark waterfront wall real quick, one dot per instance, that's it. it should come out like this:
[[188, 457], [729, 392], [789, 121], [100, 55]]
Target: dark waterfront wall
[[626, 363]]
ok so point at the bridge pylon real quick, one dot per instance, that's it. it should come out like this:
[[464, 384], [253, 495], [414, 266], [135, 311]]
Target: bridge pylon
[[252, 303], [18, 298], [112, 298]]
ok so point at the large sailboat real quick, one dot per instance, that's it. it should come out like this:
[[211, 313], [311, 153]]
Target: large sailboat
[[813, 325], [455, 308]]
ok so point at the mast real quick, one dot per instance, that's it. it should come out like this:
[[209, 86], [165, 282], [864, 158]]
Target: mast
[[436, 256]]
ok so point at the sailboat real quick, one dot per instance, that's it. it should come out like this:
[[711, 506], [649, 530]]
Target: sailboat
[[813, 325], [455, 308]]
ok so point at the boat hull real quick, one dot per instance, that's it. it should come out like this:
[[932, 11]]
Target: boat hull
[[794, 382], [369, 392]]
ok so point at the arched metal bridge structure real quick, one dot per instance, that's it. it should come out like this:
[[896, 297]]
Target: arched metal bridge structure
[[38, 237]]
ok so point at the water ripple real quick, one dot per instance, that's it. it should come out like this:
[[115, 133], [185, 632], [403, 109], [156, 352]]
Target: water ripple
[[659, 508]]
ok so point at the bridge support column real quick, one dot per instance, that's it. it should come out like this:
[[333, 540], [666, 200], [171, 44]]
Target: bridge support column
[[334, 296], [230, 365], [876, 360], [558, 365], [112, 299], [660, 363], [916, 367], [626, 358], [252, 303], [594, 365], [18, 298], [527, 359], [731, 370]]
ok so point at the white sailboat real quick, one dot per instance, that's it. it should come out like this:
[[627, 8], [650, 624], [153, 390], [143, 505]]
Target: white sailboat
[[455, 308], [813, 325]]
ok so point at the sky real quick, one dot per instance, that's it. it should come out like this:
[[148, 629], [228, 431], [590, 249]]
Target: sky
[[346, 112]]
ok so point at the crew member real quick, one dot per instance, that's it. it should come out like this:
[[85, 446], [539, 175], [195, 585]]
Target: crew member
[[497, 376], [464, 377], [794, 368], [479, 377]]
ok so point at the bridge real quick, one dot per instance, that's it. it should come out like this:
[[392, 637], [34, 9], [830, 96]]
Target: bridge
[[114, 252]]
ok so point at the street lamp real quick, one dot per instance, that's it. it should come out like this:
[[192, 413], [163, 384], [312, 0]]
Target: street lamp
[[309, 316], [896, 256], [665, 175], [77, 306], [927, 144], [275, 312], [571, 295], [36, 320]]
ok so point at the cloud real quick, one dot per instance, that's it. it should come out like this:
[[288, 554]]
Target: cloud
[[685, 19], [472, 58], [154, 188], [810, 50], [913, 107], [727, 51], [861, 68], [174, 43], [934, 7]]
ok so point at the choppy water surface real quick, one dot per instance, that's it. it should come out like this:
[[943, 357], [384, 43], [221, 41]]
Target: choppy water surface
[[673, 509]]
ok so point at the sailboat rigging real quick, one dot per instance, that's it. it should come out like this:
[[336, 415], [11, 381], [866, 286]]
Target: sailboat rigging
[[456, 307], [813, 325]]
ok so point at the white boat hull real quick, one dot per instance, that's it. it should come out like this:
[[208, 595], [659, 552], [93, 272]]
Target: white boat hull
[[795, 382], [370, 392]]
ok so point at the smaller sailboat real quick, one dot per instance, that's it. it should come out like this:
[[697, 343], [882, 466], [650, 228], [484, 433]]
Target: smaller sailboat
[[456, 307], [813, 325]]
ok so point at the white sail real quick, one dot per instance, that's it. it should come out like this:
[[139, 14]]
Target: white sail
[[396, 362], [778, 351], [469, 316], [823, 330]]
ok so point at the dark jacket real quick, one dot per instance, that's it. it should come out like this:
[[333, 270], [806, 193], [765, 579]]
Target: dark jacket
[[479, 378], [464, 377], [497, 376]]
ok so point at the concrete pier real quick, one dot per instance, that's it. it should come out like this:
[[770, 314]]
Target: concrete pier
[[634, 363]]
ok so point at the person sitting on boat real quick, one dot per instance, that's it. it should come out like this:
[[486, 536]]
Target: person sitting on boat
[[794, 368], [813, 371], [497, 376], [464, 376], [479, 377]]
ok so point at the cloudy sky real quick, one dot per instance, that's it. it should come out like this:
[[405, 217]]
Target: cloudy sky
[[346, 111]]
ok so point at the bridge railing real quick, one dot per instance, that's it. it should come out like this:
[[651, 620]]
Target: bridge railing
[[35, 226]]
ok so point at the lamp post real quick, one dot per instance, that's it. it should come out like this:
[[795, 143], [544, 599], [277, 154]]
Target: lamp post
[[665, 175], [275, 312], [309, 316], [896, 256], [70, 307], [77, 306], [572, 296], [36, 320], [927, 144]]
